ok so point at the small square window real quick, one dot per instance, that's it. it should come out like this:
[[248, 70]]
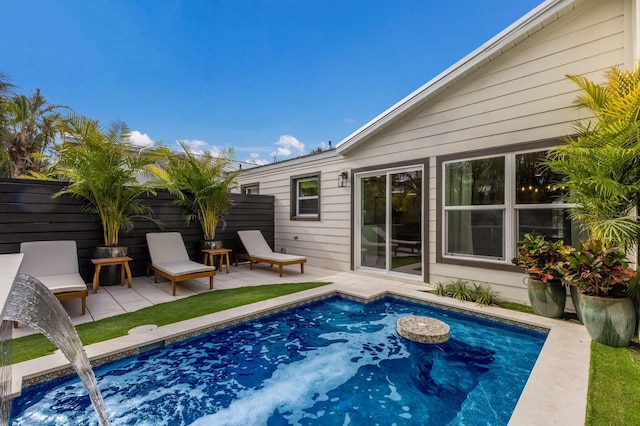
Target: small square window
[[305, 197], [250, 189]]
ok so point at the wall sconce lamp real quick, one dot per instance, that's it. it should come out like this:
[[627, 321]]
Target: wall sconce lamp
[[343, 178]]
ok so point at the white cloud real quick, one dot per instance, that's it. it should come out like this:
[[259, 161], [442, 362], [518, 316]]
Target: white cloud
[[195, 145], [215, 151], [280, 153], [140, 139], [286, 146], [254, 158], [199, 147]]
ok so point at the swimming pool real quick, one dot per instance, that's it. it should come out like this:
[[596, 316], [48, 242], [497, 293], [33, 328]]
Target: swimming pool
[[334, 361]]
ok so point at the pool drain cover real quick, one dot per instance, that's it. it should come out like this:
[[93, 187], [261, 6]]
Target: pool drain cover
[[423, 329]]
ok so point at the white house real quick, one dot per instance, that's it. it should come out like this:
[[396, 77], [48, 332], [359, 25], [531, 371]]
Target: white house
[[444, 183]]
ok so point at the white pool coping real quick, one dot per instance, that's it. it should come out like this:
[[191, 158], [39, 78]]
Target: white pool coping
[[555, 393]]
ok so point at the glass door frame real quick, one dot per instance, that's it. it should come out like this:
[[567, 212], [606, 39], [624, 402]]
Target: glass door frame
[[358, 177]]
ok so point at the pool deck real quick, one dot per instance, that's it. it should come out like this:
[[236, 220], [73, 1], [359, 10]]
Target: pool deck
[[555, 393]]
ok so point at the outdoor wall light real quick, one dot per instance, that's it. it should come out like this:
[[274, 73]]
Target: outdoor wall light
[[343, 178]]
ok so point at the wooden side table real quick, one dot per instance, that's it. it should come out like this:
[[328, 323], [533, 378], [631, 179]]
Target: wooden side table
[[107, 261], [222, 252]]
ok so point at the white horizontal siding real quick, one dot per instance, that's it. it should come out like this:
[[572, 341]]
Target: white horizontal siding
[[517, 97], [325, 243], [523, 94]]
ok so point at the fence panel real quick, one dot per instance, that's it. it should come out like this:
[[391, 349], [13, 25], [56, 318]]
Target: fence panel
[[29, 213]]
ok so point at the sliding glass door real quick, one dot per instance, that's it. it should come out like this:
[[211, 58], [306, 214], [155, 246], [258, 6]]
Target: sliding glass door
[[373, 201], [390, 221]]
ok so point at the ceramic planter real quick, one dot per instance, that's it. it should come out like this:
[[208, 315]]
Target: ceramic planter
[[547, 299], [575, 298], [610, 321], [211, 244], [110, 275]]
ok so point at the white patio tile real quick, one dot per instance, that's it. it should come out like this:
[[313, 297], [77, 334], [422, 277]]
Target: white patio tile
[[136, 305]]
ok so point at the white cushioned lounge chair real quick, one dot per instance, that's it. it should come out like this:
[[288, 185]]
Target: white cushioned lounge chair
[[396, 243], [55, 264], [258, 250], [169, 258]]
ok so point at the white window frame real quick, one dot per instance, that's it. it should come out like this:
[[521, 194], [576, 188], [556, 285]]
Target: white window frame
[[296, 182], [249, 188], [510, 208]]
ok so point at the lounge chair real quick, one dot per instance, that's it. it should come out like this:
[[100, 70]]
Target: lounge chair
[[55, 264], [396, 243], [259, 251], [169, 258]]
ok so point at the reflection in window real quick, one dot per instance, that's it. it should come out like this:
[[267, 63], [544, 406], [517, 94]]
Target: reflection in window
[[475, 182], [250, 189], [471, 187], [540, 206], [481, 197], [476, 233], [534, 183], [306, 197]]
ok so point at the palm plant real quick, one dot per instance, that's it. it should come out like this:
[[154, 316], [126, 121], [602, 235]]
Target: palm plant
[[5, 83], [201, 184], [5, 87], [103, 167], [601, 162], [32, 127]]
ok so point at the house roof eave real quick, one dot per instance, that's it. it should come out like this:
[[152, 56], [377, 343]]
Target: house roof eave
[[291, 162], [523, 28]]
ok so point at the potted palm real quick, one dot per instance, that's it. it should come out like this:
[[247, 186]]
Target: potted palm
[[601, 168], [603, 278], [201, 184], [538, 257], [102, 166]]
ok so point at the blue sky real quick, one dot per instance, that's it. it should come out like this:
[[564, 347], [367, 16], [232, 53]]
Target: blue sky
[[272, 78]]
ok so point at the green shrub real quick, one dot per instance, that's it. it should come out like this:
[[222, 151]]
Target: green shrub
[[484, 295], [463, 290]]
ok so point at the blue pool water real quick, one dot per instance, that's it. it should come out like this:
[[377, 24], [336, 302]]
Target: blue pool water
[[332, 362]]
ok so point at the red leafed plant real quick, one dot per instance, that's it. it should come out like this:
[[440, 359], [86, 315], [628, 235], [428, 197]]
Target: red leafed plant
[[597, 271], [538, 257]]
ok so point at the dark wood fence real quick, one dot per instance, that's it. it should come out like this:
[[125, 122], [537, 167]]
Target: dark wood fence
[[29, 213]]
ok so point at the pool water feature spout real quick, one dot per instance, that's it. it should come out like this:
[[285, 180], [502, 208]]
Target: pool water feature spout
[[31, 303]]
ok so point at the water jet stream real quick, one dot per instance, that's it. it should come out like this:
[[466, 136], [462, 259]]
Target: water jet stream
[[31, 303]]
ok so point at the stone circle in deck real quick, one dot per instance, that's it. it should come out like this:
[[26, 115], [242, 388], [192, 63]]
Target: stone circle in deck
[[423, 329]]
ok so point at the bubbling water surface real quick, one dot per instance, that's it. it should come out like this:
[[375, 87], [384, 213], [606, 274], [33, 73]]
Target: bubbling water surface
[[332, 362]]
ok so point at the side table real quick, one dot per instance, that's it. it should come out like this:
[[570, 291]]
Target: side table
[[107, 261], [222, 252]]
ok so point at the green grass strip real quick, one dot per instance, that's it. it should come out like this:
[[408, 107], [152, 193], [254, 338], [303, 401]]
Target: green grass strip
[[34, 346], [614, 386], [514, 306]]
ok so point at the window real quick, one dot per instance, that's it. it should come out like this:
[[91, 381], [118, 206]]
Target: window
[[538, 205], [475, 207], [491, 202], [250, 188], [305, 197]]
